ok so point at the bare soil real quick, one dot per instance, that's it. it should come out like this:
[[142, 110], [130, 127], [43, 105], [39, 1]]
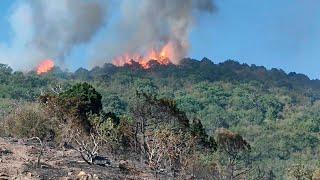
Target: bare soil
[[18, 160]]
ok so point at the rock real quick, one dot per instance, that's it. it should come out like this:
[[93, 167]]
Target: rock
[[189, 177], [82, 173], [123, 164], [29, 174], [13, 140], [66, 178], [4, 151], [83, 176], [127, 167], [102, 161], [70, 173], [4, 177], [44, 166], [95, 176]]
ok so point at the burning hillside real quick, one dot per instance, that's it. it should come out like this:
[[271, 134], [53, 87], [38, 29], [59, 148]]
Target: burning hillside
[[45, 66], [162, 56], [156, 30], [150, 30]]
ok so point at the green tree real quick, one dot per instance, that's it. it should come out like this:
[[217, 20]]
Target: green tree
[[74, 105], [87, 99]]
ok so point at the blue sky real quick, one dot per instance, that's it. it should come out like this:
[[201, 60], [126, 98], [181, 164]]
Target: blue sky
[[274, 33], [4, 25]]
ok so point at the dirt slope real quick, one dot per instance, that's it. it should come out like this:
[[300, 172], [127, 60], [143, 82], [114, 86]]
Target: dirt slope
[[18, 160]]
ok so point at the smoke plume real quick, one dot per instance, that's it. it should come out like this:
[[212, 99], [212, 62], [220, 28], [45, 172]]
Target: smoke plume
[[149, 24], [51, 29]]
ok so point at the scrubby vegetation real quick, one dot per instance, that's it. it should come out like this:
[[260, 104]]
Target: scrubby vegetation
[[210, 121]]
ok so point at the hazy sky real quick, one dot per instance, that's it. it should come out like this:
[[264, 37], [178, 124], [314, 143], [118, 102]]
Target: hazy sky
[[274, 33]]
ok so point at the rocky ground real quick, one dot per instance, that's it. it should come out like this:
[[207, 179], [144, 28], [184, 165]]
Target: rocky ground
[[19, 160]]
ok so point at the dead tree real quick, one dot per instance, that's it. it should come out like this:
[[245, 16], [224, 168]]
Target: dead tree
[[169, 150], [38, 163], [87, 147]]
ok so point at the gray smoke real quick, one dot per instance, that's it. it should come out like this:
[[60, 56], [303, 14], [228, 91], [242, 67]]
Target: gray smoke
[[153, 23], [51, 29], [59, 26]]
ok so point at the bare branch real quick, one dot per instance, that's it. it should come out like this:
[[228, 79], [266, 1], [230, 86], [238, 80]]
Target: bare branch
[[41, 150]]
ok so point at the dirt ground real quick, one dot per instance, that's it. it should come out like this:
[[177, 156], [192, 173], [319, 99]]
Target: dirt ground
[[18, 160]]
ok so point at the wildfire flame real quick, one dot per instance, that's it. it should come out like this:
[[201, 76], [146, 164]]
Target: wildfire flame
[[162, 56], [45, 66]]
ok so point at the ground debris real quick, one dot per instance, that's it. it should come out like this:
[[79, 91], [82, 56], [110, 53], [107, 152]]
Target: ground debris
[[19, 159]]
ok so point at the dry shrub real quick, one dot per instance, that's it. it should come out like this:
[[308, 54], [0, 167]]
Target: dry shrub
[[27, 120], [170, 151], [300, 171], [316, 175], [205, 170]]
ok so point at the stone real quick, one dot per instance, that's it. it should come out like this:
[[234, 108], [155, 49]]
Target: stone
[[101, 161], [83, 176], [29, 174], [127, 167], [95, 176], [4, 176], [82, 173], [44, 166]]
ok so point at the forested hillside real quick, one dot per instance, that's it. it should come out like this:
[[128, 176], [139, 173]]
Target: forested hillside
[[276, 113]]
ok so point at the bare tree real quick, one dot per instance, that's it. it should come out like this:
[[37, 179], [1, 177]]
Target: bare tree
[[88, 147], [155, 150], [169, 150]]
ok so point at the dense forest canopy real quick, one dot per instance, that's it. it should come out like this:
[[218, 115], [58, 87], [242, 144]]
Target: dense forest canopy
[[276, 112]]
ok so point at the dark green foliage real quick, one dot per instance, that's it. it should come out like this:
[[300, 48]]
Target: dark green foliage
[[146, 87], [74, 105], [113, 103], [85, 98], [199, 131], [158, 112], [5, 72], [82, 74], [270, 106]]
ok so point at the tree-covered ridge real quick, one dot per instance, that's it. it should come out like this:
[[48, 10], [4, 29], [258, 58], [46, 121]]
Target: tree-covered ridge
[[276, 112]]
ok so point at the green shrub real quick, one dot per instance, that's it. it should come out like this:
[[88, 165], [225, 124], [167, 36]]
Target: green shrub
[[73, 106]]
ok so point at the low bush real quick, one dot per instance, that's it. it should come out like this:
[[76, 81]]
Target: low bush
[[26, 121]]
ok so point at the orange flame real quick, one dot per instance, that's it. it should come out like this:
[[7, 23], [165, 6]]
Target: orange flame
[[45, 66], [163, 57]]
